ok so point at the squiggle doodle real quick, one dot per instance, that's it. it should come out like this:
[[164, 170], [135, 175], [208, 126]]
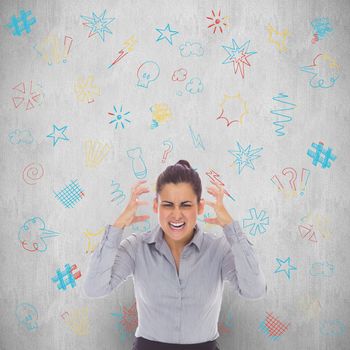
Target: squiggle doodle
[[285, 118]]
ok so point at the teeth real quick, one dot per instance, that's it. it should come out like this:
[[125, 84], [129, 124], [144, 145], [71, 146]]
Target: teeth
[[177, 224]]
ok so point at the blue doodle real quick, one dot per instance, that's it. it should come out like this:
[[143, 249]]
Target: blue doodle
[[70, 194], [164, 34], [316, 156], [119, 117], [197, 140], [62, 282], [98, 24], [194, 86], [244, 157], [33, 233], [61, 136], [27, 316], [138, 164], [285, 118], [238, 55], [257, 223], [147, 72], [17, 27], [121, 195], [287, 269], [191, 49], [20, 136], [332, 327], [321, 26], [322, 269]]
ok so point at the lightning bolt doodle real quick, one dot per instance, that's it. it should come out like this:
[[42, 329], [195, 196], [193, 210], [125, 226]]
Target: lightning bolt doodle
[[214, 177], [197, 140]]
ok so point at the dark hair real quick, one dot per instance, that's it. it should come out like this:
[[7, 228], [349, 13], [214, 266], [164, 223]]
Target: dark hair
[[180, 172]]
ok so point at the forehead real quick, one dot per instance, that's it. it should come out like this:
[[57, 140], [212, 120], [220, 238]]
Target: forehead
[[182, 190]]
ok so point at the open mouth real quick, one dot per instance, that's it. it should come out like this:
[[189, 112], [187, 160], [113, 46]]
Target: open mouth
[[177, 226]]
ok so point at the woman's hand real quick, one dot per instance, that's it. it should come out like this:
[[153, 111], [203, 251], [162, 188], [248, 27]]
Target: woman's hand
[[128, 216], [222, 215]]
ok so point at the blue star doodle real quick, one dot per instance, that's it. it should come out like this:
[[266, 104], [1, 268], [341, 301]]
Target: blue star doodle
[[256, 222], [98, 24], [287, 269], [238, 55], [244, 157], [168, 32], [62, 136]]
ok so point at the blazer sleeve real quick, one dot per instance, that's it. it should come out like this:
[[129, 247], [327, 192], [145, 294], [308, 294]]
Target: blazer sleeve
[[112, 262], [240, 266]]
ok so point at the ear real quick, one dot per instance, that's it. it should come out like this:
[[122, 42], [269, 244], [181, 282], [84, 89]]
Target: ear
[[201, 206], [155, 205]]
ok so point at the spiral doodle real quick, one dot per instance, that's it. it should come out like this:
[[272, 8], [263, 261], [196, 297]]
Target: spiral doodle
[[32, 173]]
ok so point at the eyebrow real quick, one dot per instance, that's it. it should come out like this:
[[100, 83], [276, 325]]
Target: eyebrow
[[173, 203]]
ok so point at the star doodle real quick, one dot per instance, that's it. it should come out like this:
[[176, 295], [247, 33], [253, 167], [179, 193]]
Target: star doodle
[[286, 269], [244, 157], [98, 24], [169, 32], [238, 55], [62, 136]]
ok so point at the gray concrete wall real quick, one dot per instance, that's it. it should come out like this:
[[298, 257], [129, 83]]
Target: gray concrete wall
[[67, 167]]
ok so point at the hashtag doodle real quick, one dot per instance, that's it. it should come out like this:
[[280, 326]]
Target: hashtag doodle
[[316, 156], [70, 195], [24, 18], [70, 277]]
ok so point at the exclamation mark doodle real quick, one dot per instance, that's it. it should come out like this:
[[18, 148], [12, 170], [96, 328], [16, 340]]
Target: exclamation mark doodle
[[305, 174], [279, 185], [67, 45]]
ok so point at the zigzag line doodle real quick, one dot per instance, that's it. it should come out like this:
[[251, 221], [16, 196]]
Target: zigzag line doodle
[[285, 118]]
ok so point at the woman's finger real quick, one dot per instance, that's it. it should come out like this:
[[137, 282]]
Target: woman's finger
[[218, 186], [141, 218], [138, 202], [211, 204]]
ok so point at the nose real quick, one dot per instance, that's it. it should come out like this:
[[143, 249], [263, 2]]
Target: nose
[[177, 214]]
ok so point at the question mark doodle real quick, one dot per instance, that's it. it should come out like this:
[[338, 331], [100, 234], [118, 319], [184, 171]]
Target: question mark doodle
[[168, 150]]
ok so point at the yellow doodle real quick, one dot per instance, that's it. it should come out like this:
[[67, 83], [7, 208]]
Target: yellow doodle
[[224, 107], [280, 41], [91, 246], [78, 321], [86, 90], [161, 112], [95, 152], [51, 49]]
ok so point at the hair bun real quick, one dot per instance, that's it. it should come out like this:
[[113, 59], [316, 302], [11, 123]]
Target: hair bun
[[184, 163]]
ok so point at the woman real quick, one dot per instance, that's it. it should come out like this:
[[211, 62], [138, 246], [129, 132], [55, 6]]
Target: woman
[[178, 270]]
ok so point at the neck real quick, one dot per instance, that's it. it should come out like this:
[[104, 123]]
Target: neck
[[177, 246]]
